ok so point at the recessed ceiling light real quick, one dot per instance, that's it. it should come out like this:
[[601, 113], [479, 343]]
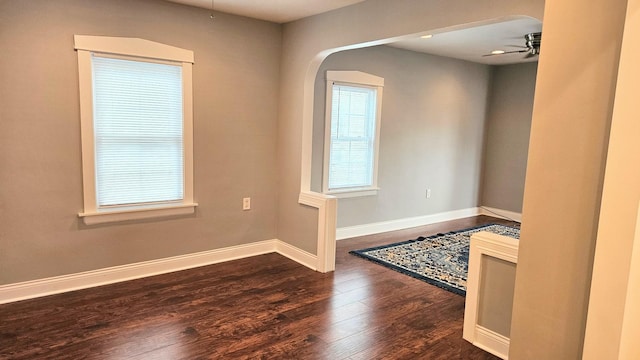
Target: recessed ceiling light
[[428, 36], [497, 52]]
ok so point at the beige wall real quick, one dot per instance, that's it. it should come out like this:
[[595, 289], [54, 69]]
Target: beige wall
[[613, 326], [235, 81], [630, 333], [569, 138], [431, 133], [507, 136], [306, 42]]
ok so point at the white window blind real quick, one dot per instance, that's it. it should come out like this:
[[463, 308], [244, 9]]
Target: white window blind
[[353, 126], [138, 125]]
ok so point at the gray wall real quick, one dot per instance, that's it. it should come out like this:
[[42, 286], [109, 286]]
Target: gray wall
[[433, 116], [308, 41], [495, 294], [507, 135], [235, 80]]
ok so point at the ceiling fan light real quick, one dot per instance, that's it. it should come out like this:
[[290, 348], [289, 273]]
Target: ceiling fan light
[[497, 52], [428, 36]]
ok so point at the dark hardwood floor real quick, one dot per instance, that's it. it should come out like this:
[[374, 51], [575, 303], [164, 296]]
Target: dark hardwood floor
[[265, 307]]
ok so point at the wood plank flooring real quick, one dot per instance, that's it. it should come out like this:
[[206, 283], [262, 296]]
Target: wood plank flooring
[[265, 307]]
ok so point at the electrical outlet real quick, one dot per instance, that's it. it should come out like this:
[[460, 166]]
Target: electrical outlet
[[428, 193], [246, 203]]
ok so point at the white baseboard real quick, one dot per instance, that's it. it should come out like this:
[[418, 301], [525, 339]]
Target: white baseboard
[[59, 284], [406, 223], [300, 256], [499, 213], [400, 224], [492, 342]]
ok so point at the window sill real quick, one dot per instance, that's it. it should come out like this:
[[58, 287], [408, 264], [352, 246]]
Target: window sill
[[93, 218], [349, 193]]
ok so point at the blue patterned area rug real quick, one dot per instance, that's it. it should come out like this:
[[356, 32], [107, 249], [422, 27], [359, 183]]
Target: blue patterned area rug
[[441, 260]]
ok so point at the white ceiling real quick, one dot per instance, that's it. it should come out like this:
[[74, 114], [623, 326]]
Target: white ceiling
[[280, 11], [471, 43], [468, 42]]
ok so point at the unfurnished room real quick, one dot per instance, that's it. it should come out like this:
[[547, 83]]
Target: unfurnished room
[[344, 179]]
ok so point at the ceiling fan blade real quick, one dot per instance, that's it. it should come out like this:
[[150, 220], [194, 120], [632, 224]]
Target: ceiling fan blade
[[532, 48], [507, 52]]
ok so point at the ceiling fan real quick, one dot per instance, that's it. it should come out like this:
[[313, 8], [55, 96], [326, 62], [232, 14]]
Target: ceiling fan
[[531, 48]]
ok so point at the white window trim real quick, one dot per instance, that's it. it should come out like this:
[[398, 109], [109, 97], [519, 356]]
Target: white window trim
[[356, 78], [354, 192], [138, 48]]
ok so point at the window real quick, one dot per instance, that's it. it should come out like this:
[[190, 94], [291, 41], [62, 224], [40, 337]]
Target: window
[[136, 119], [352, 132]]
